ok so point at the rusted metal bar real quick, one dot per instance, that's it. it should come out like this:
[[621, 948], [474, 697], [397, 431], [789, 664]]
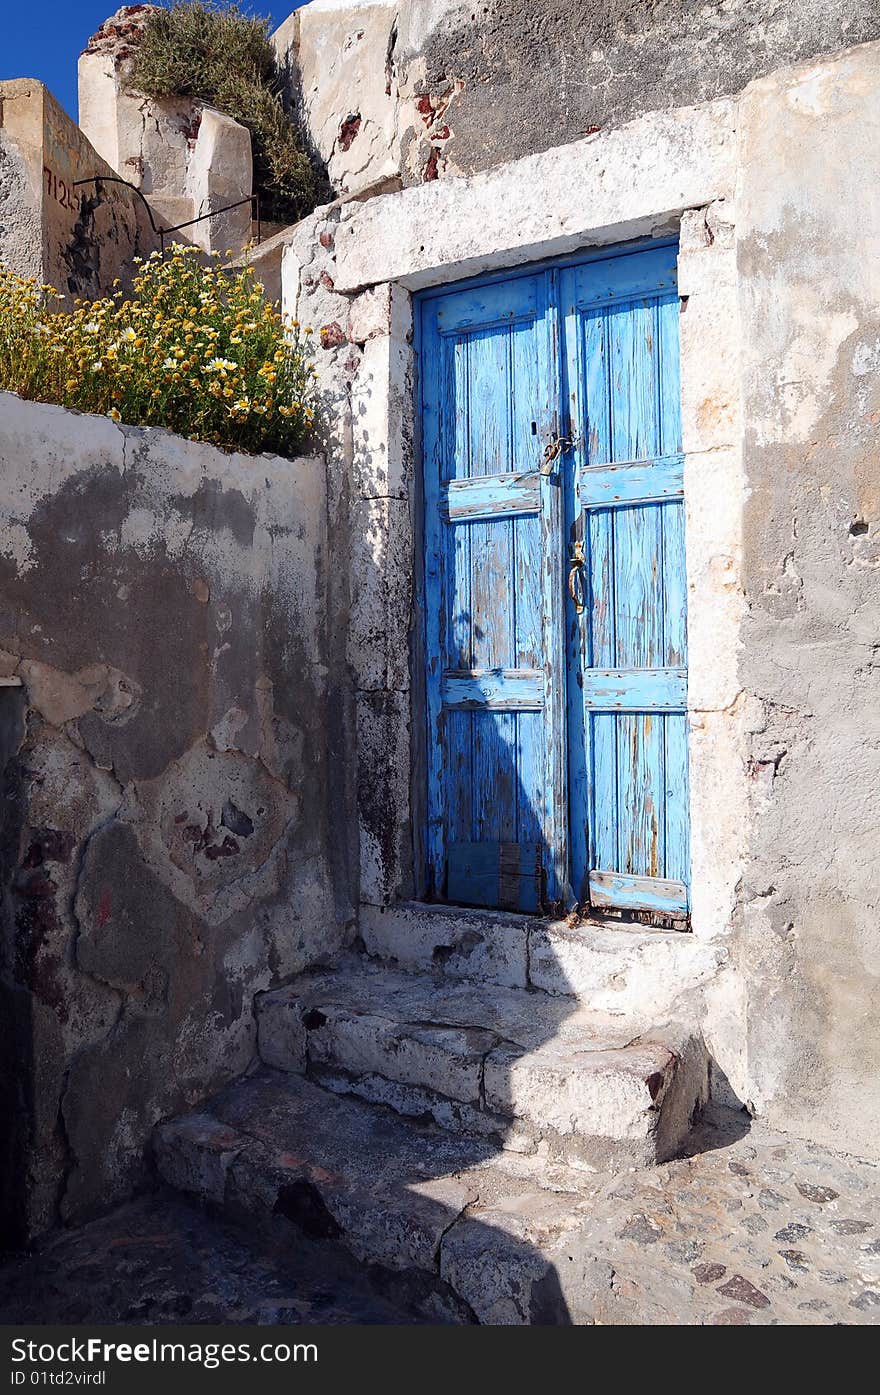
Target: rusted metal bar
[[162, 233]]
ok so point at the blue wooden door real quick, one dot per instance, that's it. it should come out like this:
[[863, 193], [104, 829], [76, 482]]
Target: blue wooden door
[[627, 607], [554, 590], [493, 605]]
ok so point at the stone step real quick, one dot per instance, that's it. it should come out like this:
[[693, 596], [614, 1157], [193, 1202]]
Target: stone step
[[620, 970], [532, 1072], [446, 1223]]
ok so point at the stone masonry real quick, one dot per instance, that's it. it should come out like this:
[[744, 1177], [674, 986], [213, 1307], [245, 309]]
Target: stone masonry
[[220, 977], [166, 846]]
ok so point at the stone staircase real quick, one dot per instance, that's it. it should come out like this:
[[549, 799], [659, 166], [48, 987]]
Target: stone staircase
[[432, 1109]]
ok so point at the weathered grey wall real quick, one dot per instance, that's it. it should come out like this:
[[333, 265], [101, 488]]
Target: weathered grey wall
[[407, 91], [78, 238], [808, 944], [169, 844]]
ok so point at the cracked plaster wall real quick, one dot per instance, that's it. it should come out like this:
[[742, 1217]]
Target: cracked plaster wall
[[167, 848], [806, 942], [398, 92]]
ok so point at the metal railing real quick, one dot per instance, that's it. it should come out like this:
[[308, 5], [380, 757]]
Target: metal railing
[[163, 233]]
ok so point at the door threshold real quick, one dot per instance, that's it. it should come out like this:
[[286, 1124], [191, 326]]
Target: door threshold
[[487, 916]]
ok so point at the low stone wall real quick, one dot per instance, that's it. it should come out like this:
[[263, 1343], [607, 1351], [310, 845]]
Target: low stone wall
[[166, 846], [77, 237]]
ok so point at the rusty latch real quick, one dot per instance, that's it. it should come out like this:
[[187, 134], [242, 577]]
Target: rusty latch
[[552, 452]]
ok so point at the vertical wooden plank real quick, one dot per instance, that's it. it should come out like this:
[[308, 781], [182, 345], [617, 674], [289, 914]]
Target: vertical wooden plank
[[493, 597], [436, 398], [676, 787], [531, 741], [526, 534], [631, 329], [599, 529], [455, 405], [674, 589], [458, 777], [640, 783], [638, 588], [637, 537], [676, 800], [553, 488], [595, 368], [668, 309], [605, 804], [495, 776]]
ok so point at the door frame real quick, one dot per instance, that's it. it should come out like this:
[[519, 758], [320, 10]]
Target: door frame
[[559, 875], [671, 173]]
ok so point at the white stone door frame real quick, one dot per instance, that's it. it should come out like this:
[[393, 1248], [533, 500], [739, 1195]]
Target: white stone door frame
[[669, 173]]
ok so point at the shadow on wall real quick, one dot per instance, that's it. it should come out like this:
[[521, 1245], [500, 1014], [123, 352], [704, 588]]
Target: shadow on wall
[[18, 1077], [167, 851]]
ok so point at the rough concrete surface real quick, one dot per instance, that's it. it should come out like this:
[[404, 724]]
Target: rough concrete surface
[[807, 947], [76, 237], [186, 157], [166, 848], [571, 1083], [754, 1228], [161, 1259], [394, 94]]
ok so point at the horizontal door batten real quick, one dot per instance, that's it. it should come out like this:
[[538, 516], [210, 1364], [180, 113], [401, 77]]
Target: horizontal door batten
[[618, 891], [490, 496], [635, 689], [632, 482], [499, 690]]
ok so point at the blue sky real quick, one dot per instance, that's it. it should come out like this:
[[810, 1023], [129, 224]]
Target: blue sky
[[43, 38]]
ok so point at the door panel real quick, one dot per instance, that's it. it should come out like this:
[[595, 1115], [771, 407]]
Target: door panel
[[628, 795], [530, 800], [492, 541]]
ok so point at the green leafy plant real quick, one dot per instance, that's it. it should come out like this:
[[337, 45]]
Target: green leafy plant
[[195, 349], [220, 55]]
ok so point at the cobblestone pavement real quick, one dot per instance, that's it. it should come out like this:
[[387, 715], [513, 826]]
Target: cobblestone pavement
[[754, 1228], [162, 1260]]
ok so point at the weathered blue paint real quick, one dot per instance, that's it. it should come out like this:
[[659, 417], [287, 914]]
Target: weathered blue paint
[[615, 891], [628, 793], [490, 497], [508, 690], [634, 482], [634, 689], [495, 665], [528, 802], [505, 876]]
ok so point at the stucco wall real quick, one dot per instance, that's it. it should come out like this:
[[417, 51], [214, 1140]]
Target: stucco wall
[[808, 939], [398, 93], [168, 844]]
